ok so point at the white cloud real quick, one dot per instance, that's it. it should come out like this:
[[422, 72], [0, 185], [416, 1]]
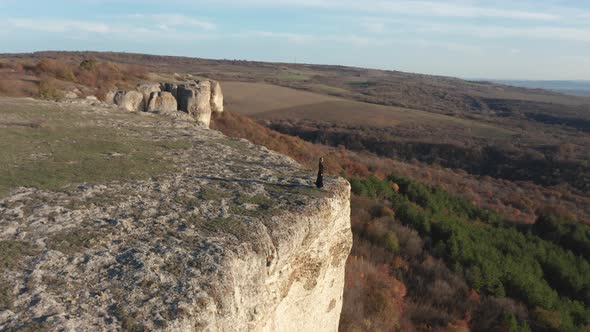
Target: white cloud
[[426, 8], [357, 41], [289, 37], [77, 29], [295, 38], [174, 20], [374, 26], [539, 32], [459, 9], [59, 26]]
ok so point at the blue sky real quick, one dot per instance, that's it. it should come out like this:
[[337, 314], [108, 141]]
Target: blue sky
[[524, 39]]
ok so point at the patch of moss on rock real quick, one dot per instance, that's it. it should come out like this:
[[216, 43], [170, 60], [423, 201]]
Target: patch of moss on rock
[[11, 254], [73, 241]]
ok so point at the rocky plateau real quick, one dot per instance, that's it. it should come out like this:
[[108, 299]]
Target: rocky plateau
[[228, 237]]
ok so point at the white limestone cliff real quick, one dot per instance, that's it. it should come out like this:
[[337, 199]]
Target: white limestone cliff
[[233, 237]]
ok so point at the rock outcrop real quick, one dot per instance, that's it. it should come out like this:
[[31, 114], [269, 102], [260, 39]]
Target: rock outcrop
[[146, 89], [216, 97], [233, 237], [131, 101], [117, 97], [200, 105], [162, 102], [110, 97], [197, 98]]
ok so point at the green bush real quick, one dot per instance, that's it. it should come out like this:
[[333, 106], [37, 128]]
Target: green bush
[[390, 242], [48, 90], [88, 64]]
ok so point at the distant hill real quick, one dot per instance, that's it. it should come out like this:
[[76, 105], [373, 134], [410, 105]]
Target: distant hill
[[576, 88]]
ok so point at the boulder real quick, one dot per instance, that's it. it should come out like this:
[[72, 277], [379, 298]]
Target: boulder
[[162, 102], [132, 101], [146, 89], [216, 97], [70, 95], [91, 98], [110, 97]]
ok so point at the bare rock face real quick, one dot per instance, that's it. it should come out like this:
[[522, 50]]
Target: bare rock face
[[231, 237], [146, 89], [200, 105], [195, 99], [131, 101], [216, 97], [162, 102]]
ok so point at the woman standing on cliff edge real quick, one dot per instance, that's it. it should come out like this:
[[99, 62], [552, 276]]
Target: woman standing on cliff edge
[[320, 181]]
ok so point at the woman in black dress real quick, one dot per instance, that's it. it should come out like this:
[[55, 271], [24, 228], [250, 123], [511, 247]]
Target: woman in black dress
[[320, 181]]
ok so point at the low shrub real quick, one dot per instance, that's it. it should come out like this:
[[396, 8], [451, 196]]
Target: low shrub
[[48, 89]]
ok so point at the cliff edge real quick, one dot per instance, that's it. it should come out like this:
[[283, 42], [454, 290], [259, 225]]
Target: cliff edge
[[221, 235]]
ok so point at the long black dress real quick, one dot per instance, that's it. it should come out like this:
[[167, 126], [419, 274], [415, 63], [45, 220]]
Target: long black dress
[[320, 181]]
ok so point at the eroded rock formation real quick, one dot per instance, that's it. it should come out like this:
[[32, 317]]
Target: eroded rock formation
[[162, 102], [146, 90], [197, 98], [199, 106], [233, 237], [216, 97], [131, 101], [117, 97], [110, 97]]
